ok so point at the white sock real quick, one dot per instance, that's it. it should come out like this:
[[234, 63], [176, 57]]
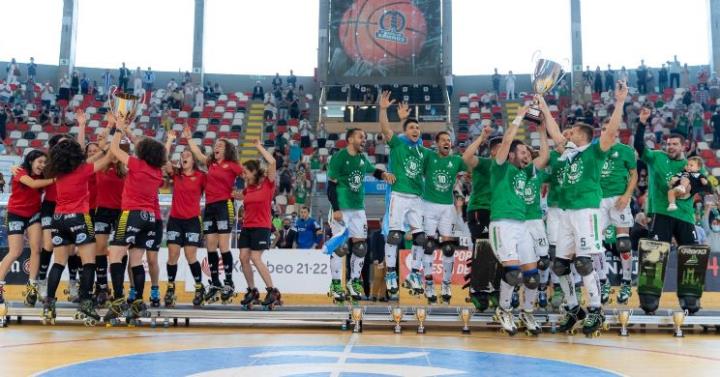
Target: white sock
[[448, 265], [356, 266], [529, 299], [554, 278], [427, 261], [418, 252], [391, 255], [577, 278], [592, 284], [336, 265], [544, 277], [599, 265], [506, 291], [626, 262], [568, 289]]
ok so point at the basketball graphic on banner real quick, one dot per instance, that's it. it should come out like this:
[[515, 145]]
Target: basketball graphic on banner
[[382, 32]]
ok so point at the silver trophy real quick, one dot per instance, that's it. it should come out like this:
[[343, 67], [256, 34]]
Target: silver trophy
[[546, 75], [124, 105]]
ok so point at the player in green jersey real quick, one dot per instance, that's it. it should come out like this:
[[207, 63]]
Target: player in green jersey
[[346, 193], [441, 170]]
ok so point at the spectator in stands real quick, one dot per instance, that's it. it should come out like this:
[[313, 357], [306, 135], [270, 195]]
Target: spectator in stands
[[598, 80], [662, 79], [715, 122], [149, 80], [5, 93], [304, 128], [176, 99], [674, 72], [188, 95], [269, 111], [609, 79], [137, 81], [123, 77], [285, 182], [13, 72], [283, 108], [623, 75], [295, 153], [286, 235], [510, 86], [589, 114], [711, 223], [475, 130], [642, 74], [199, 99], [2, 177], [107, 80], [277, 82], [291, 80], [301, 188], [321, 135], [683, 125], [217, 89], [307, 230], [685, 77], [4, 115], [650, 80], [64, 93], [74, 83], [32, 69], [714, 86], [258, 91], [171, 86], [19, 114], [47, 97], [449, 84], [698, 126], [702, 78], [84, 84], [279, 157], [187, 78], [496, 82], [658, 124], [155, 116]]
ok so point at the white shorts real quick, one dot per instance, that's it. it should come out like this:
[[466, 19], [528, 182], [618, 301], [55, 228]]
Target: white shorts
[[579, 233], [405, 210], [510, 240], [611, 216], [356, 222], [438, 218], [539, 237], [554, 215]]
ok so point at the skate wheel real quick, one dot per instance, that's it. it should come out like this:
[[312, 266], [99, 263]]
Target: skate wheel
[[596, 334], [571, 332]]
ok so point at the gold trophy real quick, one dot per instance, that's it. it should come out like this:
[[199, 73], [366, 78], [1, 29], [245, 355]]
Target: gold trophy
[[420, 314], [465, 317], [678, 319], [124, 105], [397, 314], [624, 318], [546, 75], [357, 315]]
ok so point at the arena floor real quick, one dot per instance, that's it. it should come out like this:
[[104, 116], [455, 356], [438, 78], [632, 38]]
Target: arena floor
[[72, 350]]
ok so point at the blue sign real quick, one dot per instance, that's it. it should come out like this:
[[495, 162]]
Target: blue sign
[[324, 360], [374, 186]]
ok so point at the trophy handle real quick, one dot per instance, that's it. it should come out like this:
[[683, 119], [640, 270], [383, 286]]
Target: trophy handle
[[535, 56]]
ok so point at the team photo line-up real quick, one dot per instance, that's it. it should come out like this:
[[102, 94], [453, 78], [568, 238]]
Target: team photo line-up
[[94, 207]]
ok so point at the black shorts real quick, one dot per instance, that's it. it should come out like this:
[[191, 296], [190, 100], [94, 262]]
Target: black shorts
[[254, 239], [184, 232], [72, 229], [17, 224], [47, 210], [158, 232], [664, 228], [106, 220], [136, 229], [219, 217], [479, 224]]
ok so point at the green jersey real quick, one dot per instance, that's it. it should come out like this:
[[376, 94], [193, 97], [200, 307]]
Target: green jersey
[[349, 173], [533, 191], [553, 177], [580, 187], [481, 189], [660, 169], [406, 163], [441, 173], [300, 194], [508, 199], [614, 174]]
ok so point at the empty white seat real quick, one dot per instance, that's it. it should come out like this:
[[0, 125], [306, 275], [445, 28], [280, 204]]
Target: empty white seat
[[281, 200], [201, 127], [22, 143], [210, 135], [177, 127], [224, 128], [227, 115], [203, 121], [36, 128], [43, 136]]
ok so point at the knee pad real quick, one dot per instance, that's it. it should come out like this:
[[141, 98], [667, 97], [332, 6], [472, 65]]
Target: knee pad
[[551, 251], [512, 275], [543, 263], [584, 266], [430, 246], [341, 251], [395, 237], [419, 239], [561, 267], [531, 278], [448, 248], [359, 249], [623, 244]]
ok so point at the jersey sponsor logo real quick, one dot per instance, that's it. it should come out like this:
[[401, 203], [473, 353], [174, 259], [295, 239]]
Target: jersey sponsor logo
[[15, 226], [193, 237], [46, 221], [172, 235], [149, 244], [222, 225], [574, 172], [100, 226], [355, 181], [57, 240], [80, 238]]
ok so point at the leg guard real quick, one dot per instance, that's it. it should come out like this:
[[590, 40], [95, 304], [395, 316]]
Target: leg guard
[[395, 237], [623, 244], [341, 251], [584, 265], [531, 278], [419, 239], [448, 248], [561, 267], [359, 249], [512, 275], [543, 263], [430, 246]]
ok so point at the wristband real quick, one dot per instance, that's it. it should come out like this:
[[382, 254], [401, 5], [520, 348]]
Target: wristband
[[517, 121]]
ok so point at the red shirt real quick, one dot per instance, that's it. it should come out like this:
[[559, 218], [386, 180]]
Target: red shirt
[[50, 193], [72, 189], [141, 190], [92, 187], [111, 188], [257, 201], [24, 201], [221, 180], [187, 191]]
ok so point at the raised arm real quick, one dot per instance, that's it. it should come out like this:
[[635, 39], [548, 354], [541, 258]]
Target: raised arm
[[624, 200], [608, 136], [507, 140], [102, 163], [171, 136], [81, 122], [470, 154], [117, 133], [271, 164], [199, 155], [385, 102], [36, 183], [639, 142], [542, 159], [550, 124]]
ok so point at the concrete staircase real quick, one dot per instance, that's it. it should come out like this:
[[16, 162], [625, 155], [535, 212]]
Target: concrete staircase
[[252, 130]]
